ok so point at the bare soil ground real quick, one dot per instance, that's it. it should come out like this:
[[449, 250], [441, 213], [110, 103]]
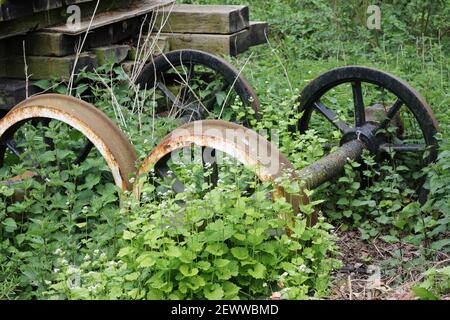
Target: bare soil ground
[[378, 270]]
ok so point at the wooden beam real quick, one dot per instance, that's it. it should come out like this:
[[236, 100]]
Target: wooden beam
[[220, 44], [258, 33], [209, 19], [48, 67], [49, 18], [13, 9], [59, 44], [13, 91], [135, 9], [162, 46]]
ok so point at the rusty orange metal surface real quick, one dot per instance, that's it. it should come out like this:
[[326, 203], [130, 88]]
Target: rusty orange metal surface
[[109, 140], [252, 150]]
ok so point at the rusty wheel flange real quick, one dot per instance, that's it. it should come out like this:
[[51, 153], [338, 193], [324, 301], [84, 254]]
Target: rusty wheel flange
[[236, 141], [105, 136]]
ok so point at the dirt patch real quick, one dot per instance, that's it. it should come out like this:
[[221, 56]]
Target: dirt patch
[[377, 270]]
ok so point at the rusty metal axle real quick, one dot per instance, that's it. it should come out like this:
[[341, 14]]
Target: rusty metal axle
[[332, 165]]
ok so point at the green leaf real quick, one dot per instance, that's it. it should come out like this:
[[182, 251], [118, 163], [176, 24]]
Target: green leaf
[[217, 249], [231, 290], [146, 260], [187, 271], [438, 245], [126, 251], [424, 294], [390, 239], [128, 235], [213, 292], [258, 272], [221, 263], [173, 251], [10, 225], [240, 253], [42, 84], [220, 97], [132, 276]]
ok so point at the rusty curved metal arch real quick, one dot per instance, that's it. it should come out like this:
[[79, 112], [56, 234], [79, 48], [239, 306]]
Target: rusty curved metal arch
[[213, 134], [109, 140]]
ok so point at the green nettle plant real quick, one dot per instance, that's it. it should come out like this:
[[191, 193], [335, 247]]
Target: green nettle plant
[[223, 246], [69, 238]]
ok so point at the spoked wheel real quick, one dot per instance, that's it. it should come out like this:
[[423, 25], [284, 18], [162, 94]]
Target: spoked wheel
[[65, 131], [260, 160], [195, 85], [381, 110]]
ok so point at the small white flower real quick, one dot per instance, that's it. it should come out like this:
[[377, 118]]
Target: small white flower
[[72, 270], [264, 285], [56, 270], [301, 268], [285, 274]]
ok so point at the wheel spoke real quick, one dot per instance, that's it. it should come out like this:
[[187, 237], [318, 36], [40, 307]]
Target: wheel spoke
[[358, 101], [403, 147], [12, 145], [332, 117], [391, 114], [166, 92], [84, 153]]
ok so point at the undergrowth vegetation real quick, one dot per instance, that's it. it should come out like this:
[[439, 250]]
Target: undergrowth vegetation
[[69, 238]]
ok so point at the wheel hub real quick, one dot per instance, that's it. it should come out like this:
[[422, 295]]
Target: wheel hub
[[366, 134]]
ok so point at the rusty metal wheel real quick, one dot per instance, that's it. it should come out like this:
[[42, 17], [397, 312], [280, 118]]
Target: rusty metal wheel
[[195, 85], [391, 119], [251, 150], [367, 91], [87, 128]]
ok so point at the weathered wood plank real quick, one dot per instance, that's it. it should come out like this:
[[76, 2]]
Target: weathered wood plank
[[146, 42], [219, 44], [186, 18], [45, 19], [134, 9], [13, 91], [48, 67], [111, 54], [258, 33], [13, 9], [45, 5], [69, 2], [59, 45]]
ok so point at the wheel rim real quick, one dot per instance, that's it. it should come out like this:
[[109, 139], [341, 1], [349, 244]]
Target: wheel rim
[[222, 136], [102, 133], [156, 74], [407, 97]]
